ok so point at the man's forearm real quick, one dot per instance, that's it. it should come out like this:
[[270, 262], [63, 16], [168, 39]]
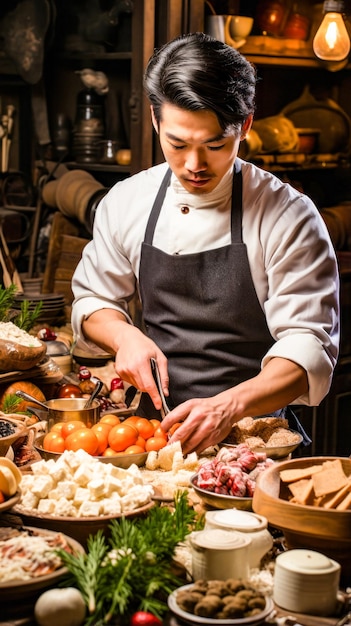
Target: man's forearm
[[104, 327]]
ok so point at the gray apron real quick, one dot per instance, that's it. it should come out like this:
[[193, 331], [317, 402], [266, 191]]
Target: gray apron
[[202, 311]]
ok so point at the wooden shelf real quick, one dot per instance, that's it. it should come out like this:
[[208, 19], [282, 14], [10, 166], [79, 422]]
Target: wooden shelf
[[98, 167], [265, 50]]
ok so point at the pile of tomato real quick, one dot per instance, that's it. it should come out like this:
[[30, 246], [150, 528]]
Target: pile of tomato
[[110, 436]]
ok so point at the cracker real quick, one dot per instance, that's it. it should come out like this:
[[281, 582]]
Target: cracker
[[302, 490], [336, 498], [291, 475], [345, 504], [330, 479]]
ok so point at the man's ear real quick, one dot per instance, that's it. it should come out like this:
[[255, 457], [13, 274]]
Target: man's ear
[[153, 118], [246, 126]]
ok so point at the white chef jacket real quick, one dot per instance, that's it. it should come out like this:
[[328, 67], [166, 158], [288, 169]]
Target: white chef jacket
[[291, 257]]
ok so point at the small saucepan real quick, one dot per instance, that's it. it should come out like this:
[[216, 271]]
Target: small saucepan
[[66, 409]]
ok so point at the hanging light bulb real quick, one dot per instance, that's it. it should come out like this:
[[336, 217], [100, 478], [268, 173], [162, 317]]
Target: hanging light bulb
[[332, 42]]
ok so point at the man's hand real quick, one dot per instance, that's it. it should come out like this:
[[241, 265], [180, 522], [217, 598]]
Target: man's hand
[[133, 351]]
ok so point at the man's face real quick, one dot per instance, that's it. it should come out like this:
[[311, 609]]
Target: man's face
[[196, 148]]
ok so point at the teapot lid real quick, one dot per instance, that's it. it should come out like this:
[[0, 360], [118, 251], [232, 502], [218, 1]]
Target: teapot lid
[[237, 519]]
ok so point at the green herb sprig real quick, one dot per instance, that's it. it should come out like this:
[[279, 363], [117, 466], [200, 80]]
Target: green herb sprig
[[132, 570], [26, 318]]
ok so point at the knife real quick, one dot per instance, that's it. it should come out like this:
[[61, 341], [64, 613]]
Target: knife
[[156, 373]]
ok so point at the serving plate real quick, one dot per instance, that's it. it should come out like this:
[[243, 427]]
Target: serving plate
[[22, 590], [272, 452], [119, 460], [190, 618], [219, 501]]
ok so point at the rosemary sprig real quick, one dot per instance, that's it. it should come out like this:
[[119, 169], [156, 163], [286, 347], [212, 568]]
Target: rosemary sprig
[[85, 569], [27, 318], [7, 297], [132, 570]]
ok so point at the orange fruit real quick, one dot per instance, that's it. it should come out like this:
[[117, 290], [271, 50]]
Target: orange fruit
[[102, 438], [54, 442], [160, 433], [57, 428], [103, 427], [155, 422], [122, 436], [70, 427], [2, 497], [155, 443], [83, 439], [132, 419], [144, 427], [111, 419], [134, 450], [140, 442], [109, 452]]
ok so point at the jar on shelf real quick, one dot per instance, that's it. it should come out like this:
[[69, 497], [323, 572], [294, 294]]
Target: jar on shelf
[[270, 17], [298, 23], [89, 128]]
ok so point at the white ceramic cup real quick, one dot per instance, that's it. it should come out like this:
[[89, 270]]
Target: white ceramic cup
[[219, 555], [236, 29], [251, 525], [306, 581]]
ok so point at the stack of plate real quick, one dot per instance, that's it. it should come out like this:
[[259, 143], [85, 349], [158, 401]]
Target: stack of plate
[[52, 310]]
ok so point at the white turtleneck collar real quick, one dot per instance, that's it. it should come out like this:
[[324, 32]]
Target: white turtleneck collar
[[218, 197]]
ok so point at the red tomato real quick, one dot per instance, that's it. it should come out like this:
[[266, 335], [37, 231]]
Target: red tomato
[[69, 391], [155, 443], [54, 442], [83, 439], [122, 436], [144, 618], [70, 427]]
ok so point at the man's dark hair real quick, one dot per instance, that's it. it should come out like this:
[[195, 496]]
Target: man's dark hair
[[196, 72]]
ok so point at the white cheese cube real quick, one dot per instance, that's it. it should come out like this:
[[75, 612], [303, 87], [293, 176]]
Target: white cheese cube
[[83, 474], [41, 467], [134, 471], [57, 473], [136, 497], [27, 482], [29, 500], [96, 488], [82, 495], [65, 508], [112, 485], [42, 485], [66, 489], [89, 509], [111, 506], [46, 506]]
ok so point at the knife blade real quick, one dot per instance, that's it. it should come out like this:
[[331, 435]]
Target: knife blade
[[156, 373]]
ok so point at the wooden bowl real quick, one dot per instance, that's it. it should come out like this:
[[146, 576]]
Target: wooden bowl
[[15, 356], [79, 528], [325, 530], [6, 442]]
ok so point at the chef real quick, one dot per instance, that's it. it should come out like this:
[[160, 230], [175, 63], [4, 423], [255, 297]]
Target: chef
[[236, 273]]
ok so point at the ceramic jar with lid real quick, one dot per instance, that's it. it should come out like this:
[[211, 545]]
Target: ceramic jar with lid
[[219, 554], [306, 581], [249, 524]]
